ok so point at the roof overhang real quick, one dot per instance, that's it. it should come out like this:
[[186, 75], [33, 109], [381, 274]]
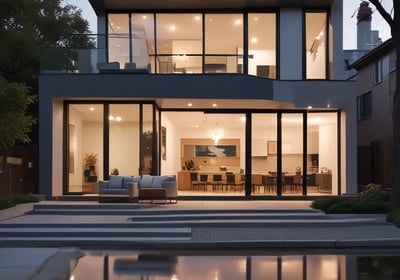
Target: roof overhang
[[371, 56], [102, 5]]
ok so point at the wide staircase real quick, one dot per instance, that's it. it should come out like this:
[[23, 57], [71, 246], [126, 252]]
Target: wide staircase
[[119, 225]]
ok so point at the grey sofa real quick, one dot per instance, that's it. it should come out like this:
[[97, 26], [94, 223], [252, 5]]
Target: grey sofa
[[139, 188]]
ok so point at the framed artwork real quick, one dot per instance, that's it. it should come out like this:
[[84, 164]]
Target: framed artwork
[[72, 145], [215, 150], [164, 143], [272, 147]]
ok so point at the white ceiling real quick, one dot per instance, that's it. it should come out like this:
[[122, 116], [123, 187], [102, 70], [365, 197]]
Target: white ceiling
[[194, 119]]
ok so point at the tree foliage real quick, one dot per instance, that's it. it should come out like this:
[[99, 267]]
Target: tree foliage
[[28, 25], [394, 23], [15, 124]]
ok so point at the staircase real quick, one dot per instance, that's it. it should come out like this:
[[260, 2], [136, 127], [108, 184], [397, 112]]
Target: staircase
[[113, 225]]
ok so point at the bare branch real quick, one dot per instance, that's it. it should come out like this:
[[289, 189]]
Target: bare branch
[[383, 12]]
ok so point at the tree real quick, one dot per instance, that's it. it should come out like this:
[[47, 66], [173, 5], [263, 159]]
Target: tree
[[26, 26], [15, 124], [394, 24]]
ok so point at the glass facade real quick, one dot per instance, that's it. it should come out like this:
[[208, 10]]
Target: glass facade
[[222, 56], [262, 45], [316, 32], [134, 145], [179, 43], [191, 42], [186, 43], [85, 146], [124, 132]]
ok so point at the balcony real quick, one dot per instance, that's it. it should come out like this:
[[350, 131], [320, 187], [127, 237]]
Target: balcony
[[121, 53]]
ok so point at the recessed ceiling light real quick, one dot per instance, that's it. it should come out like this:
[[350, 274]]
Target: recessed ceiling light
[[197, 17], [215, 105], [254, 40], [238, 22], [118, 119], [309, 107], [111, 118], [91, 108], [172, 27], [243, 119], [190, 104], [144, 17]]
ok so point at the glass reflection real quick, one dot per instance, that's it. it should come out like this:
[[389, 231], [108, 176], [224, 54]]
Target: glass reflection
[[219, 265]]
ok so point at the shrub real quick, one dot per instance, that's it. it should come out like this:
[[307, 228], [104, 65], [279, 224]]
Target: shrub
[[376, 192], [375, 199], [324, 204], [8, 202]]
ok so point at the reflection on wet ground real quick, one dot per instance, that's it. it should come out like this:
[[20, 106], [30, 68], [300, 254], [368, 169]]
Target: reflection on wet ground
[[218, 265]]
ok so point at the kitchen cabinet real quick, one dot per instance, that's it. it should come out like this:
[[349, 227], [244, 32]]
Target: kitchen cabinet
[[324, 182], [259, 148]]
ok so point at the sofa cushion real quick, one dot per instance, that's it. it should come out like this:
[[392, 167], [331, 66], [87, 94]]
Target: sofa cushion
[[146, 181], [115, 181], [126, 180], [158, 181]]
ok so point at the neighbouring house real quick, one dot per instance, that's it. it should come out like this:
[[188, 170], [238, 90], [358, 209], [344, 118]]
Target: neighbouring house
[[203, 90], [376, 84]]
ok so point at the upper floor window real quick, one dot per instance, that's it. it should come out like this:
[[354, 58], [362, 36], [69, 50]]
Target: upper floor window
[[364, 106], [316, 32], [223, 43], [378, 71], [194, 42], [179, 43], [262, 45]]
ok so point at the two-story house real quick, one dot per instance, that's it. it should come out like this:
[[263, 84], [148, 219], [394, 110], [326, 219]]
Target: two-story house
[[376, 83], [255, 88]]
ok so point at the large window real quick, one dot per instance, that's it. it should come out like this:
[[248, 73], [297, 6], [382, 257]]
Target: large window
[[85, 147], [264, 154], [179, 43], [193, 42], [316, 30], [262, 45], [124, 132], [118, 38], [223, 43]]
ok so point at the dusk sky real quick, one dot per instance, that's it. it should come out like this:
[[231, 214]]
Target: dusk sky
[[349, 22]]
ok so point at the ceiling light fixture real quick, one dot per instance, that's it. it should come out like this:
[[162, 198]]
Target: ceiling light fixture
[[216, 134]]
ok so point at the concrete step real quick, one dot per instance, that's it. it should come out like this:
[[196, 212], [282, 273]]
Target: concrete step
[[148, 210]]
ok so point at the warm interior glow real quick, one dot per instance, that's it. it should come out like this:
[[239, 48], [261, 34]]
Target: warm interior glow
[[216, 134]]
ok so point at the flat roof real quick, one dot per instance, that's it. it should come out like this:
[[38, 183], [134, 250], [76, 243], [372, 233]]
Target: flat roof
[[102, 5]]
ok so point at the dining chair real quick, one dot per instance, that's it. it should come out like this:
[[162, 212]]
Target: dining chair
[[297, 182], [217, 182], [256, 182], [288, 182], [268, 183], [230, 181], [203, 181], [194, 181]]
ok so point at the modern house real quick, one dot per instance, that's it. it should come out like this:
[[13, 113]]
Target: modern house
[[254, 88], [376, 83]]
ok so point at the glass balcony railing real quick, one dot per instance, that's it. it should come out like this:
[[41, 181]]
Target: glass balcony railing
[[82, 54]]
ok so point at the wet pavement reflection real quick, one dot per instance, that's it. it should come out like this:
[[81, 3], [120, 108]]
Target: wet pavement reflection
[[221, 265]]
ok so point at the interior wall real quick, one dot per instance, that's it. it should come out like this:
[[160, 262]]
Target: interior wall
[[328, 151], [126, 160], [172, 163], [75, 119], [92, 142], [57, 159]]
